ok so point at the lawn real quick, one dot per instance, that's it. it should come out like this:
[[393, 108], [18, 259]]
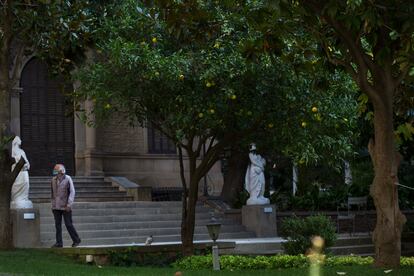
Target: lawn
[[39, 262]]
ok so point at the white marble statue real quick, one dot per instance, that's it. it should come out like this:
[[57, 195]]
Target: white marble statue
[[20, 188], [255, 180]]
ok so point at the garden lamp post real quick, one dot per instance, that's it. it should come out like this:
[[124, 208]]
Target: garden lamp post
[[214, 231]]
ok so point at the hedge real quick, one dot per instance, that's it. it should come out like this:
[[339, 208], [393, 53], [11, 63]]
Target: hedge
[[228, 262]]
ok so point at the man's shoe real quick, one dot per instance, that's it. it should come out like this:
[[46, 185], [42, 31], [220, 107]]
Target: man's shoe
[[75, 244], [56, 245]]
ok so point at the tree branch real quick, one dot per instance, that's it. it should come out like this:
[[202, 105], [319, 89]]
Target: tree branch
[[16, 170], [211, 142], [201, 142], [184, 182], [362, 60]]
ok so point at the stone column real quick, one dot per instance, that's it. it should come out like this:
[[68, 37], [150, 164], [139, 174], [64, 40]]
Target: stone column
[[80, 137], [15, 110], [92, 156]]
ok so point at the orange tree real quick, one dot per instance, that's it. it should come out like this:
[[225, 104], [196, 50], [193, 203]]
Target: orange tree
[[373, 42], [195, 77]]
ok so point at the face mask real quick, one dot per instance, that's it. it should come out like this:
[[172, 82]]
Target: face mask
[[55, 172]]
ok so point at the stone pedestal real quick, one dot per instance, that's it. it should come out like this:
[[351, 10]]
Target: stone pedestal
[[26, 228], [260, 219]]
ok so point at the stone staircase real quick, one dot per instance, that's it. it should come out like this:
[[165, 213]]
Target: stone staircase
[[360, 244], [129, 222], [88, 189]]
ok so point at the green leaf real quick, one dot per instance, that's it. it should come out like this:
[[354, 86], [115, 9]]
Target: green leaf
[[394, 35]]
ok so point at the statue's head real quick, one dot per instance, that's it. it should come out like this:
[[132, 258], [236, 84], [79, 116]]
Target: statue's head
[[17, 141], [59, 169], [252, 147]]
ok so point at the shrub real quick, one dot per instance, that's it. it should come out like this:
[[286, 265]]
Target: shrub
[[229, 262], [348, 260], [299, 233], [407, 261], [274, 262]]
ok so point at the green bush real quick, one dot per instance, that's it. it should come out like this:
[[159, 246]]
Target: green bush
[[348, 260], [229, 262], [299, 233], [273, 262], [407, 261]]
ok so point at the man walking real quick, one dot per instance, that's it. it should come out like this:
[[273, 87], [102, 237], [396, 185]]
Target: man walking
[[63, 195]]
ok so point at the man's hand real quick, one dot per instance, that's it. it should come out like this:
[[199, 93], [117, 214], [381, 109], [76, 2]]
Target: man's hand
[[68, 208]]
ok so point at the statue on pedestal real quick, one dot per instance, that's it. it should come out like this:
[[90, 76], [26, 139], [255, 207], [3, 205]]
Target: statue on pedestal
[[20, 188], [255, 179]]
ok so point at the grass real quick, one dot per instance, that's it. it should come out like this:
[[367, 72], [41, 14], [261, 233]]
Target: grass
[[40, 262]]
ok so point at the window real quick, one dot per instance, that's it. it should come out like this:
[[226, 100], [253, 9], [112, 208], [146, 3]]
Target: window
[[159, 143]]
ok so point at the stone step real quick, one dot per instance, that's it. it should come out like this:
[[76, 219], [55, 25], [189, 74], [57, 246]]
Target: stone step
[[263, 246], [45, 227], [122, 204], [86, 199], [141, 239], [89, 234], [38, 183], [124, 218], [82, 178], [76, 183], [363, 249], [82, 194], [78, 190], [81, 181], [125, 211], [352, 240]]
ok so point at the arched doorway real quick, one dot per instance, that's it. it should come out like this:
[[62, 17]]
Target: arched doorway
[[46, 126]]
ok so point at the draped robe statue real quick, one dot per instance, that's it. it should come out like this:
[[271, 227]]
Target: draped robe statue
[[255, 180], [20, 188]]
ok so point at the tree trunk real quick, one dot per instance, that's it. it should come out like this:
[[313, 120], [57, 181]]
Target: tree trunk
[[190, 197], [187, 233], [6, 241], [190, 194], [234, 177], [6, 238], [390, 220]]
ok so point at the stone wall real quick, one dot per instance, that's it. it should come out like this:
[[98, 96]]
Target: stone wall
[[156, 170], [118, 137], [124, 152]]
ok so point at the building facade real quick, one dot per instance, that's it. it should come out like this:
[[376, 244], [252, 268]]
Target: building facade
[[52, 133]]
